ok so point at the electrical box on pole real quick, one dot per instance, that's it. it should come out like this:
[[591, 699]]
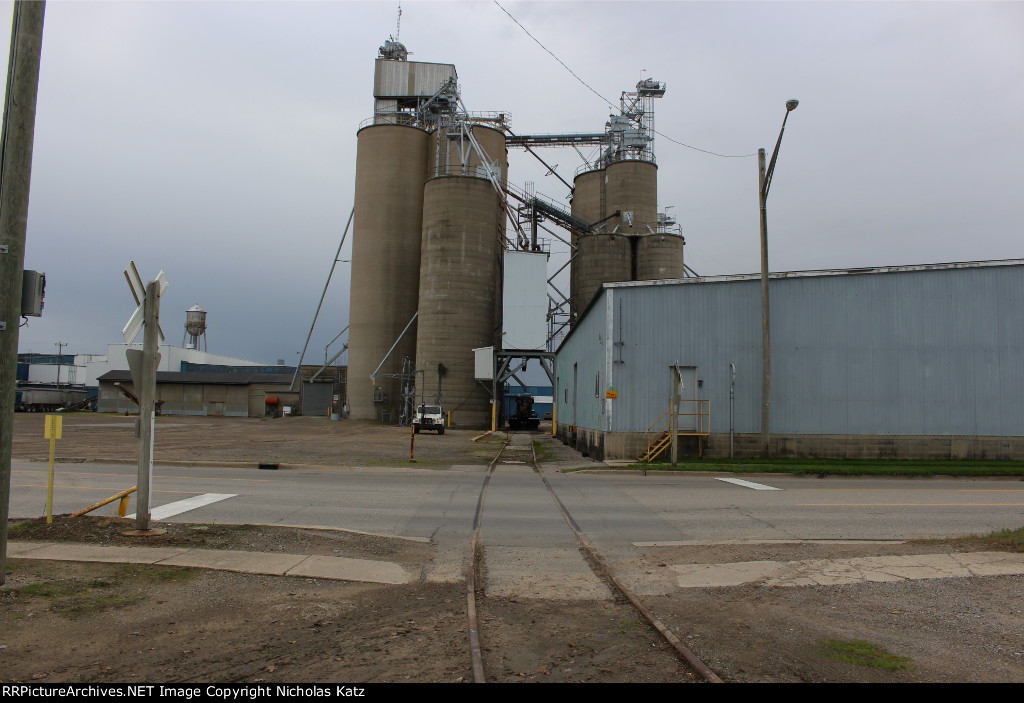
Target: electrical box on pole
[[33, 290]]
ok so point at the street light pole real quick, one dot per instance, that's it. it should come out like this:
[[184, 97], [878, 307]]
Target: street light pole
[[764, 182]]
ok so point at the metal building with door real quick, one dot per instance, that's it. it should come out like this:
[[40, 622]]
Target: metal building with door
[[896, 362]]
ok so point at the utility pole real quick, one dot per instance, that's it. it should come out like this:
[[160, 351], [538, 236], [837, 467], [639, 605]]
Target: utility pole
[[15, 176], [60, 347], [766, 335], [764, 183], [147, 403]]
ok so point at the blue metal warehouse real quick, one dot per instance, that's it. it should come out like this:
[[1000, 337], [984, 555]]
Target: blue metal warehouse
[[910, 361]]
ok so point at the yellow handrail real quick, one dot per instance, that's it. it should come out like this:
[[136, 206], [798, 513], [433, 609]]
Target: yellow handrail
[[702, 429]]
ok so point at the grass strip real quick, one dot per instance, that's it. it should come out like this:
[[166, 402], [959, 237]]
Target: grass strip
[[864, 653], [836, 467]]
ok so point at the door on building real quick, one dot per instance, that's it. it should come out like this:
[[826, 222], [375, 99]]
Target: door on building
[[685, 380]]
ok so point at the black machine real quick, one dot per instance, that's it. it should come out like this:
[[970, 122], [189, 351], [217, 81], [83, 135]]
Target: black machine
[[524, 417]]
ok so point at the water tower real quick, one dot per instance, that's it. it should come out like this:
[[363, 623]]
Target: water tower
[[195, 326]]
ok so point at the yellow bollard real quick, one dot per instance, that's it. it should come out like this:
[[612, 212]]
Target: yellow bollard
[[123, 494], [51, 431]]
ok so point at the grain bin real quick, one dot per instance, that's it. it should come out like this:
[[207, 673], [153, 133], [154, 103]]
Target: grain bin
[[587, 205], [632, 186], [390, 165], [659, 256], [602, 258], [463, 229]]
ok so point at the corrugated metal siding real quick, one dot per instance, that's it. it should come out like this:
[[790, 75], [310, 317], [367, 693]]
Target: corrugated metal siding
[[585, 348], [907, 353], [395, 79], [706, 326]]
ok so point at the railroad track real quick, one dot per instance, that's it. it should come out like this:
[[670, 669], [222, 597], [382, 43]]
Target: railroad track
[[593, 557]]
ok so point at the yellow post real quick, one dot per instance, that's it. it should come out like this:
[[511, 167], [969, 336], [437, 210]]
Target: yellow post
[[111, 499], [52, 430], [494, 414], [412, 443], [554, 418]]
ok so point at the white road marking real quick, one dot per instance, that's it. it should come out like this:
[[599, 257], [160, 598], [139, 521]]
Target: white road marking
[[749, 484], [183, 506]]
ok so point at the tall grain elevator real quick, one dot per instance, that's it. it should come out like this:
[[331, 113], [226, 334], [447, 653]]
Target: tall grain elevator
[[391, 166], [427, 240], [618, 192]]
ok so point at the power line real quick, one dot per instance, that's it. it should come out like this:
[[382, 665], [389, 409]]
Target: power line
[[585, 84], [609, 102], [705, 151]]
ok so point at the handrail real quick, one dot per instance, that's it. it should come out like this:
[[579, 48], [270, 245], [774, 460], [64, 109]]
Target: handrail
[[702, 428]]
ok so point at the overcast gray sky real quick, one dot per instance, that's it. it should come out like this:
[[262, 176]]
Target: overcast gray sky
[[217, 141]]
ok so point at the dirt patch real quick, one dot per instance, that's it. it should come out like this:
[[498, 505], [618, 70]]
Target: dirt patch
[[290, 440], [182, 625], [250, 538], [574, 642], [952, 630]]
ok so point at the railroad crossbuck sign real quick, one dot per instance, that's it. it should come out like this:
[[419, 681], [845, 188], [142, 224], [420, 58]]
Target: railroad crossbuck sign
[[143, 363], [135, 322]]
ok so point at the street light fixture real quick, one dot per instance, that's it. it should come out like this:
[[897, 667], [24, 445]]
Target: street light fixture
[[764, 183]]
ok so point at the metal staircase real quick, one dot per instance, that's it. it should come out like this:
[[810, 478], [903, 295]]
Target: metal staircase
[[659, 438], [659, 434]]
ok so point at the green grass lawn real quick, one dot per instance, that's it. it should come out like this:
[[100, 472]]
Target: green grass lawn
[[840, 467]]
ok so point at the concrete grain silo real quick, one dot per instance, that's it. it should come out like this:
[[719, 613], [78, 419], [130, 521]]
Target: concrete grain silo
[[602, 258], [460, 274], [632, 188], [659, 256], [588, 206], [390, 167]]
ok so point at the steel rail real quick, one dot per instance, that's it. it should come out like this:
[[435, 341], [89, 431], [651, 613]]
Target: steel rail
[[473, 629], [692, 659]]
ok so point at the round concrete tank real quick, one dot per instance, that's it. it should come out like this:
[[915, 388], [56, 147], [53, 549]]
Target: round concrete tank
[[587, 196], [390, 166], [603, 258], [587, 205], [459, 278], [446, 154], [632, 186], [659, 256]]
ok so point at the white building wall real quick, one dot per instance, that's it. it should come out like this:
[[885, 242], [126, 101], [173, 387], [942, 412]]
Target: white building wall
[[170, 360]]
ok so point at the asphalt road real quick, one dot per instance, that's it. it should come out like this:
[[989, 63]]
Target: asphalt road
[[611, 506]]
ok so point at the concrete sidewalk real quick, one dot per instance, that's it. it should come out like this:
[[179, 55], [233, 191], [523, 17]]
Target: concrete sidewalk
[[835, 572], [274, 564]]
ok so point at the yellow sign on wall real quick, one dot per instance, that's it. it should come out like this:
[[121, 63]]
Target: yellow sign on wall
[[611, 394], [52, 427]]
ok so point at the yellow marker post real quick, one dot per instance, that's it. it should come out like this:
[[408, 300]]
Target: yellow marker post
[[52, 431]]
